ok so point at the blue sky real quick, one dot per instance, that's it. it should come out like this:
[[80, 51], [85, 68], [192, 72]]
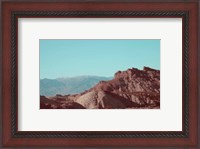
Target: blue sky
[[70, 58]]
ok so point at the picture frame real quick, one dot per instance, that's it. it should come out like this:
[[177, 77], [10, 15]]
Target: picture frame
[[187, 11]]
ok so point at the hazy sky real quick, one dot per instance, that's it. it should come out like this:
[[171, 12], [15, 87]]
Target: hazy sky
[[69, 58]]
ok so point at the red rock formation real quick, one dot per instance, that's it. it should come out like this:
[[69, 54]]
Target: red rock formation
[[132, 88], [53, 103]]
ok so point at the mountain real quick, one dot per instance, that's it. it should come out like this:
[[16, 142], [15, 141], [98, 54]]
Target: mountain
[[63, 86], [132, 88]]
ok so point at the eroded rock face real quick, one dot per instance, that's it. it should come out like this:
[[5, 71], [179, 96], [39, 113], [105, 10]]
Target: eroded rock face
[[53, 103], [100, 100], [133, 80], [89, 100], [132, 88]]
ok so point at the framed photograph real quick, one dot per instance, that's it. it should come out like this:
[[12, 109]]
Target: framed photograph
[[100, 74]]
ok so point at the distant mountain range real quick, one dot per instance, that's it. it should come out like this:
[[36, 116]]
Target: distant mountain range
[[130, 89], [73, 85]]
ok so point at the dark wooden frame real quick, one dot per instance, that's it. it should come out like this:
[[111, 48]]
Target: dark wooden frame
[[188, 11]]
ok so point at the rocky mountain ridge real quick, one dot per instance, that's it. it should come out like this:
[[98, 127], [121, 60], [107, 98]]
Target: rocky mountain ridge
[[69, 85], [132, 88]]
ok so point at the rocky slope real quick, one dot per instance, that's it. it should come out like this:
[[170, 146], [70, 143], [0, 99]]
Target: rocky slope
[[132, 88]]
